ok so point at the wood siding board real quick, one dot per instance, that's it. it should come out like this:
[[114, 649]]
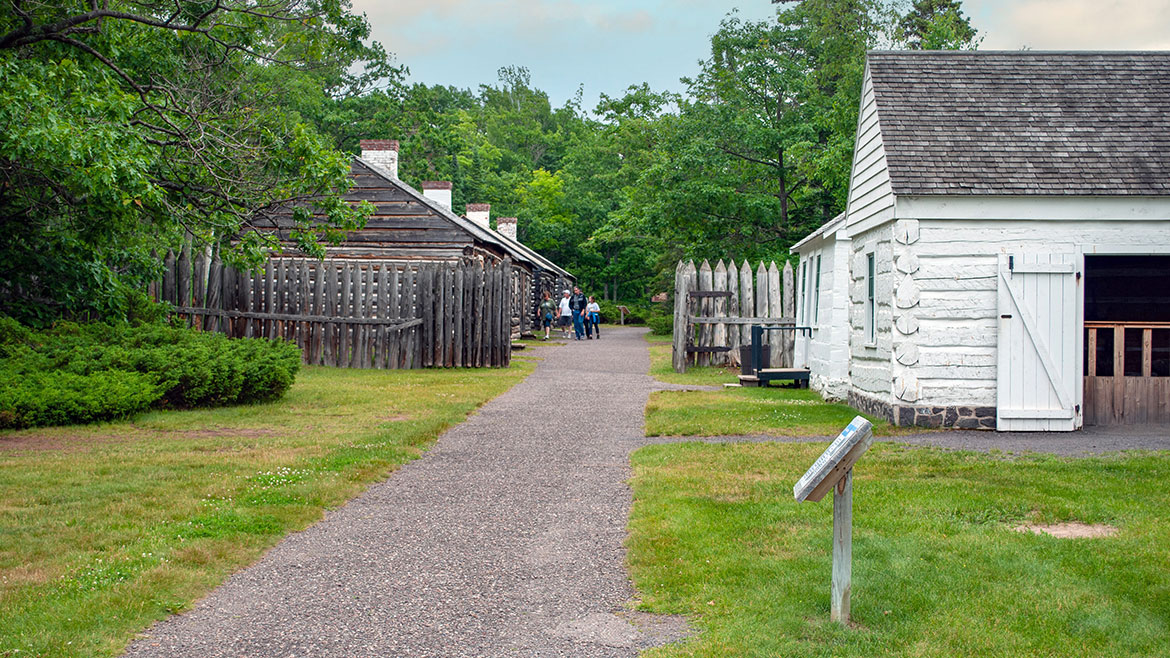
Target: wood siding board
[[457, 353], [747, 306]]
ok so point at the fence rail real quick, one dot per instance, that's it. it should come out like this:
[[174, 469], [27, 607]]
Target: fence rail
[[715, 308], [351, 313], [1127, 373]]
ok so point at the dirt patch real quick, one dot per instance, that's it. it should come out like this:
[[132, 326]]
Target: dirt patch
[[1070, 530], [393, 419]]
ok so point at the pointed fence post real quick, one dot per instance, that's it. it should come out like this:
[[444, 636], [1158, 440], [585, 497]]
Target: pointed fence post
[[692, 281], [704, 308], [775, 310], [679, 351], [719, 309], [733, 312], [747, 305], [762, 312]]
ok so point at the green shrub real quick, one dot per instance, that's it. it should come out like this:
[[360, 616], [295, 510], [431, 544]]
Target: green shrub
[[58, 397], [637, 315], [662, 325], [165, 366]]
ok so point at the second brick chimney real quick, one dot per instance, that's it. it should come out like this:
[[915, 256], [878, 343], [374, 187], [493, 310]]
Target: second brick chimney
[[382, 153], [506, 226], [480, 214], [438, 191]]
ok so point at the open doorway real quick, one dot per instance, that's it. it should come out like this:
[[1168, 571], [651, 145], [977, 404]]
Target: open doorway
[[1127, 340]]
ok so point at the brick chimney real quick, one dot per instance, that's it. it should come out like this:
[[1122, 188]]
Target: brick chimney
[[438, 191], [382, 153], [480, 214], [506, 226]]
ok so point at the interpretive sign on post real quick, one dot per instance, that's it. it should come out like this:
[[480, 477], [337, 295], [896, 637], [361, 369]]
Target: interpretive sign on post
[[834, 470]]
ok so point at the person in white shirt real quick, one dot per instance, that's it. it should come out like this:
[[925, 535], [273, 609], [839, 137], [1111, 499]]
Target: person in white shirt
[[566, 315], [593, 319]]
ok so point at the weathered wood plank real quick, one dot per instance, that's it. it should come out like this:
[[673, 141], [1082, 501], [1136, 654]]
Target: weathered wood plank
[[679, 347], [705, 306], [747, 304], [268, 327], [427, 309], [842, 580], [449, 316], [214, 289], [719, 310], [169, 271], [407, 308], [733, 330], [333, 292], [469, 311], [183, 275], [457, 314], [1118, 375], [762, 295]]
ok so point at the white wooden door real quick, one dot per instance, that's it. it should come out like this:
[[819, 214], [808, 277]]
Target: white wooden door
[[1039, 342]]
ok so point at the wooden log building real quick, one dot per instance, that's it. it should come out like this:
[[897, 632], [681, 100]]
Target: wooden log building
[[415, 226]]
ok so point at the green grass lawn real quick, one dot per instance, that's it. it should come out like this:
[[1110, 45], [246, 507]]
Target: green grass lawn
[[662, 370], [773, 411], [937, 569], [106, 528]]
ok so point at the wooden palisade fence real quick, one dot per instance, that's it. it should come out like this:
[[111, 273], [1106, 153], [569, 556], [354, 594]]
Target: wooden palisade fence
[[354, 313], [715, 308]]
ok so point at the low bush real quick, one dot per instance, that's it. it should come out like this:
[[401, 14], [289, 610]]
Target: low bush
[[638, 313], [661, 325], [86, 373], [63, 398]]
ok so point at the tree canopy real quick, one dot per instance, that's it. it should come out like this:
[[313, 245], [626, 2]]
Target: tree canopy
[[125, 125], [129, 126]]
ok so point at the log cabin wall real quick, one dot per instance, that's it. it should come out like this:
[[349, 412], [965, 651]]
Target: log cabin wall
[[405, 227]]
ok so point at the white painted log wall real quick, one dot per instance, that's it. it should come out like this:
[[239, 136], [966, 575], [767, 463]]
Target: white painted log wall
[[827, 349], [957, 313], [870, 369]]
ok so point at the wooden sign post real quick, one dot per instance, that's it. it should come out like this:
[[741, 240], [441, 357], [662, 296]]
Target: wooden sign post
[[834, 470]]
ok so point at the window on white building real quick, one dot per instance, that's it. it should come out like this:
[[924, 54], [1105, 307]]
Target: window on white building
[[803, 293], [870, 306], [817, 293]]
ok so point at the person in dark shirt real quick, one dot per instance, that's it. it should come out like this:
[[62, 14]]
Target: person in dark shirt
[[577, 304]]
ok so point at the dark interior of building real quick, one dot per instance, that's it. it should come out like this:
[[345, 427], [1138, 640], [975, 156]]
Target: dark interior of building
[[1130, 296]]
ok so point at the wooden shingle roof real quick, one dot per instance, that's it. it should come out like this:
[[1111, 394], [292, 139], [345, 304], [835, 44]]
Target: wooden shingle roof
[[1025, 122]]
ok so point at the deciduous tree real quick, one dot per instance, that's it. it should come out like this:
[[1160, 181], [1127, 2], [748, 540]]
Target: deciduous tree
[[126, 124]]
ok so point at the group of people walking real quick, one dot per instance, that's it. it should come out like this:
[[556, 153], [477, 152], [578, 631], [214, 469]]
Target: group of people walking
[[575, 308]]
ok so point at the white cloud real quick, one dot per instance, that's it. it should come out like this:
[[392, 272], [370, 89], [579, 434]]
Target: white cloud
[[1073, 24]]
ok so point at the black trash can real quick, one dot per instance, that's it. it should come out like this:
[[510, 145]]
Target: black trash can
[[746, 367]]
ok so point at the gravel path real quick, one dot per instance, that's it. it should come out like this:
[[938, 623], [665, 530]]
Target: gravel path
[[505, 539]]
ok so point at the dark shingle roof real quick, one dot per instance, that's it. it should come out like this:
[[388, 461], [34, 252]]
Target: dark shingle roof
[[1024, 122]]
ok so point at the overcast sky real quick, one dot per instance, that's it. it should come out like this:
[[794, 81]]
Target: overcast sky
[[607, 45]]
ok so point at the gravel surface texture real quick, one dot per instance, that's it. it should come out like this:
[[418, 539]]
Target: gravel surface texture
[[504, 540]]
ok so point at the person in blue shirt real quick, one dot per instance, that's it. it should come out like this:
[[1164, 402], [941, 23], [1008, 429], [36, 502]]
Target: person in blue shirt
[[592, 319], [577, 304]]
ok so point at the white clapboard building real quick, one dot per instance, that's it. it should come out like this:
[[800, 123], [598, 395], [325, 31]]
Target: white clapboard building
[[1004, 257]]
